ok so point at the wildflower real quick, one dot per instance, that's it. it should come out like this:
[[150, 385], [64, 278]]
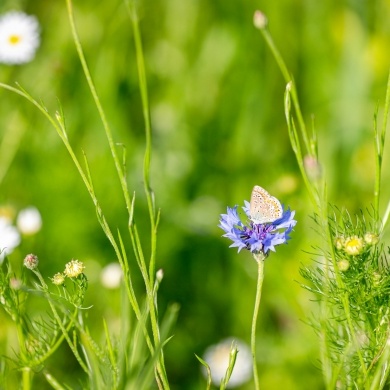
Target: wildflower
[[9, 237], [339, 242], [74, 268], [29, 221], [353, 245], [31, 261], [259, 238], [19, 37], [58, 279], [111, 275], [217, 357], [343, 265], [371, 238]]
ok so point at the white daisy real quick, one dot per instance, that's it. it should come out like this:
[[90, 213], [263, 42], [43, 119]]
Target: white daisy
[[111, 275], [9, 237], [29, 221], [19, 37]]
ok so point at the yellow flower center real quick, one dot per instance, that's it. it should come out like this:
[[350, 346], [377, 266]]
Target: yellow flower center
[[353, 245], [14, 39]]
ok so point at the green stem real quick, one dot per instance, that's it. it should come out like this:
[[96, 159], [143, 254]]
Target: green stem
[[288, 78], [148, 191], [26, 378], [260, 278], [296, 146], [52, 381], [107, 129], [26, 371], [148, 135], [379, 139]]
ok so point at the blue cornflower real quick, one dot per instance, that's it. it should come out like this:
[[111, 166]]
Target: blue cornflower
[[256, 237]]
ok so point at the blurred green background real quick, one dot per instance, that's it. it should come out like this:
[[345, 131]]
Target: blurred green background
[[218, 129]]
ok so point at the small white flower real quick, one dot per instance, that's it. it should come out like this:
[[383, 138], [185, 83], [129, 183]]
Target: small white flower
[[19, 37], [111, 275], [74, 268], [58, 279], [217, 357], [9, 237], [29, 221]]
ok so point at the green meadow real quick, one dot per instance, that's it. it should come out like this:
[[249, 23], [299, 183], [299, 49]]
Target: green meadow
[[216, 100]]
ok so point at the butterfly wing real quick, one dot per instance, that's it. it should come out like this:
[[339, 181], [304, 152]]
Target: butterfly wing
[[264, 207]]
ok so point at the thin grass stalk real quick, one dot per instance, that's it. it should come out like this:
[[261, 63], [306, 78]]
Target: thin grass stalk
[[148, 191], [383, 370], [91, 85], [111, 356], [118, 166], [148, 134], [288, 78], [295, 144], [52, 381], [151, 296], [379, 146], [208, 371]]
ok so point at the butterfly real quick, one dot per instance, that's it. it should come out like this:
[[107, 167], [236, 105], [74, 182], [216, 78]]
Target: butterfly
[[264, 207]]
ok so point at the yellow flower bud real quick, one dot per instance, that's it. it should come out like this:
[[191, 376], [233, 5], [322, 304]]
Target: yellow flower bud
[[371, 238], [339, 242], [343, 265], [58, 279]]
